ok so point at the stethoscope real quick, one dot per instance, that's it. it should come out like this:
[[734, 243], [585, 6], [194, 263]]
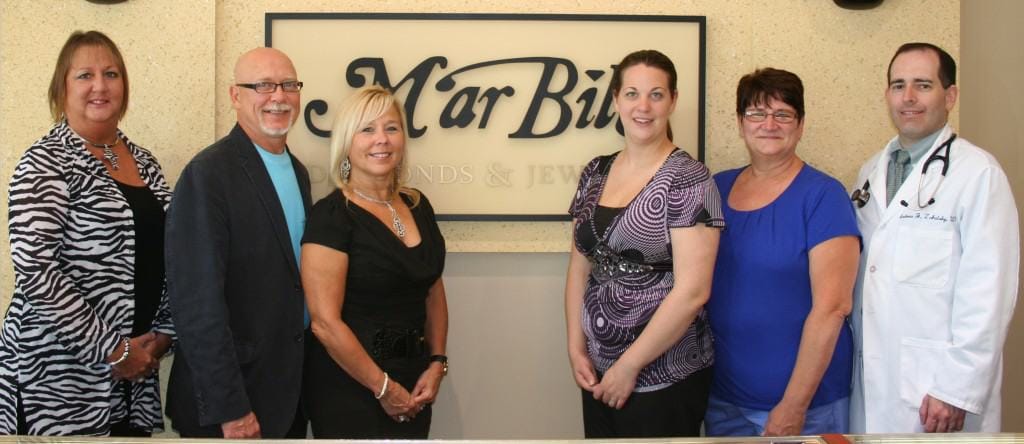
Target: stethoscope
[[862, 195]]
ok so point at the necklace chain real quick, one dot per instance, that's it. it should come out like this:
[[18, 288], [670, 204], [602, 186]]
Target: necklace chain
[[108, 150], [396, 223]]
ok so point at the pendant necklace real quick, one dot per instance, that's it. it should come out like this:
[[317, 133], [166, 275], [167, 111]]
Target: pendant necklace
[[108, 150], [396, 223]]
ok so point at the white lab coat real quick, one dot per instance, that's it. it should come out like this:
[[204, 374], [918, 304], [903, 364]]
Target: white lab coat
[[935, 292]]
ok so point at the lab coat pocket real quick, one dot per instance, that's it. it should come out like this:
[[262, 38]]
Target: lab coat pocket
[[919, 360], [923, 257]]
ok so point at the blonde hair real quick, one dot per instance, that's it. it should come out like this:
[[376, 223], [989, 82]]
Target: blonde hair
[[362, 107]]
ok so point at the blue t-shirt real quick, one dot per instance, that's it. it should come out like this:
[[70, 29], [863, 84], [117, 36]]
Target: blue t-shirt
[[282, 175], [761, 293]]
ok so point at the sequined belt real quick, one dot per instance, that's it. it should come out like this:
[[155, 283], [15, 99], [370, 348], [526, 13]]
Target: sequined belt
[[607, 264], [391, 343]]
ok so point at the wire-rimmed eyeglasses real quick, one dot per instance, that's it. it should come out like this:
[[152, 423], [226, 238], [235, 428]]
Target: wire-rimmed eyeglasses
[[757, 115], [290, 86]]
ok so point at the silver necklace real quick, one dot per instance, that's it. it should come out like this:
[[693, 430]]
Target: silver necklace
[[396, 223], [108, 151]]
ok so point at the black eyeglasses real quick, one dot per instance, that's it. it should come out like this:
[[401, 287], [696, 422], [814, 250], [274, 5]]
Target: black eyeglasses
[[756, 115], [290, 86]]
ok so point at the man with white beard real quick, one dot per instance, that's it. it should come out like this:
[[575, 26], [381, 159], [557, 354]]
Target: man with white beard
[[232, 250]]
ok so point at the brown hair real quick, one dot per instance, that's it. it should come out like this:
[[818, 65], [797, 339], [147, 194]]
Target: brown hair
[[646, 57], [762, 85], [947, 66], [58, 84]]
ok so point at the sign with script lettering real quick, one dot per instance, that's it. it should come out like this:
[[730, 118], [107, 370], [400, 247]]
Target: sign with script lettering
[[502, 111]]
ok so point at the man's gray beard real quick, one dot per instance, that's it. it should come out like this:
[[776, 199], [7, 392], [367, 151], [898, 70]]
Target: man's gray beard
[[277, 132]]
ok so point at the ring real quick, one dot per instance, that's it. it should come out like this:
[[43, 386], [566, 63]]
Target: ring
[[403, 418]]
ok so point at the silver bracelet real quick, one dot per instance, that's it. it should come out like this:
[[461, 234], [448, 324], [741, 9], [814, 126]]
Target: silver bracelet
[[384, 388], [124, 356]]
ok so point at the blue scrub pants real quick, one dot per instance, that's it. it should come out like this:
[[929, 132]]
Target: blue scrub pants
[[726, 419]]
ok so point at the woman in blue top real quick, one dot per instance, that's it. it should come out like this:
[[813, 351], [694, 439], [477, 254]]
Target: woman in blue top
[[783, 282]]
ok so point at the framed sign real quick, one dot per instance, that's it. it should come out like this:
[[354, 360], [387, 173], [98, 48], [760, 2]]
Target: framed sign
[[502, 110]]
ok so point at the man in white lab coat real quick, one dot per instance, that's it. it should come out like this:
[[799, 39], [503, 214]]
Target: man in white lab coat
[[938, 278]]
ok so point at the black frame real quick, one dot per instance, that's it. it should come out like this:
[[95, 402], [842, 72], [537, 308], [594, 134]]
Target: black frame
[[702, 81]]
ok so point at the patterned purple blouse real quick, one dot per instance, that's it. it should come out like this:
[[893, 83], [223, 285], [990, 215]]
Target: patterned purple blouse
[[631, 262]]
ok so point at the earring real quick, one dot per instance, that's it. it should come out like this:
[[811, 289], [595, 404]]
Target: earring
[[399, 171], [346, 169]]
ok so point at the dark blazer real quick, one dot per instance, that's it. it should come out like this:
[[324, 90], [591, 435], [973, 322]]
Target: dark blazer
[[235, 291]]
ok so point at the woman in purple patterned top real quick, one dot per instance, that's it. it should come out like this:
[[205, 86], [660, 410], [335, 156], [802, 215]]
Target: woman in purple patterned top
[[646, 223]]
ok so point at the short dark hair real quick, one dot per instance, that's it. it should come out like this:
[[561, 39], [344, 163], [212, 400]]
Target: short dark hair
[[647, 57], [947, 66], [58, 92], [762, 85]]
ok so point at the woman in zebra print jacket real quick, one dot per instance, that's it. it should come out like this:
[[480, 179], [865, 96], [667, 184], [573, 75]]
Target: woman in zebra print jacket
[[88, 320]]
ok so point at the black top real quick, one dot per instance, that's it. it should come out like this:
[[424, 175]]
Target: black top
[[603, 218], [387, 282], [148, 215]]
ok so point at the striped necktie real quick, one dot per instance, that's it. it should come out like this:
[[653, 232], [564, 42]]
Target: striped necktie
[[899, 163]]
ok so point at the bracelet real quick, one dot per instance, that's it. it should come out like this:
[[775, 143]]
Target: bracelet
[[383, 389], [124, 356], [444, 363]]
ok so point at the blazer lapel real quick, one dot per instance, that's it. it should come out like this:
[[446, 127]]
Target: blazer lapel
[[878, 186], [302, 176], [257, 173]]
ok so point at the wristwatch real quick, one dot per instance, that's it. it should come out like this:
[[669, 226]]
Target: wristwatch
[[444, 363]]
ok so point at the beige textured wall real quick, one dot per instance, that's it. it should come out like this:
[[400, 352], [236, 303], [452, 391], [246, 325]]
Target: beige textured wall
[[179, 104], [180, 54], [840, 54], [989, 97], [168, 48]]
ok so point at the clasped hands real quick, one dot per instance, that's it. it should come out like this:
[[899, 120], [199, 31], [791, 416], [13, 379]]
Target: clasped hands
[[613, 389], [143, 357], [403, 406]]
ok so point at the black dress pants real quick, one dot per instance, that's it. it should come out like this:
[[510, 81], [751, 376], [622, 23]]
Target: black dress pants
[[674, 411]]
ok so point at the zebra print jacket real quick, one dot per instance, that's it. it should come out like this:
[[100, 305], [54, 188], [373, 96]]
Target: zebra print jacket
[[72, 246]]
